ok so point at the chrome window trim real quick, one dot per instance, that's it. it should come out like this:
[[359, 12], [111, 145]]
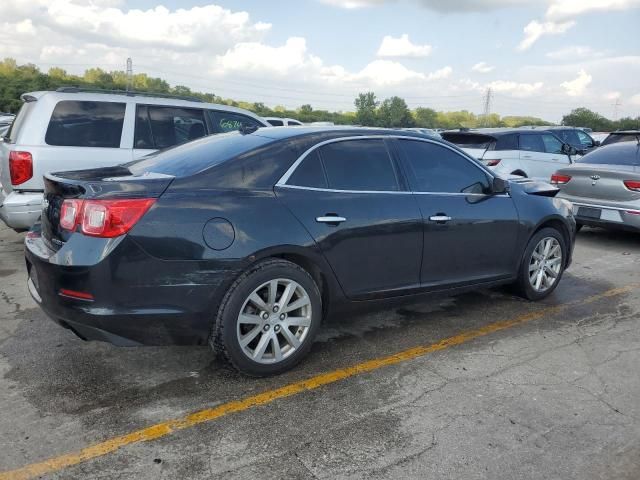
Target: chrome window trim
[[283, 180]]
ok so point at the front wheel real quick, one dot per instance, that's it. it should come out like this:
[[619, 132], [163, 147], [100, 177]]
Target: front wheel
[[542, 264], [268, 318]]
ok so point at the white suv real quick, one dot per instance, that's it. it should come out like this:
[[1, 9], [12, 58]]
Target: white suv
[[72, 129], [528, 153]]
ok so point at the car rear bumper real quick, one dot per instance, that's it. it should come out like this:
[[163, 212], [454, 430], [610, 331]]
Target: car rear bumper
[[606, 215], [20, 210], [153, 306]]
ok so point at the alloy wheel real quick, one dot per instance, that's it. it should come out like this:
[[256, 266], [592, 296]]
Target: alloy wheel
[[274, 321], [545, 264]]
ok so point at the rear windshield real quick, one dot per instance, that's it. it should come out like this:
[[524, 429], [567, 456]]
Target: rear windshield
[[621, 137], [469, 140], [86, 124], [620, 154], [198, 155]]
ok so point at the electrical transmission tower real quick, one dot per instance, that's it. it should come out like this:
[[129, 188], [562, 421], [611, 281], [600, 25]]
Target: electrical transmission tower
[[129, 74], [487, 107], [615, 106]]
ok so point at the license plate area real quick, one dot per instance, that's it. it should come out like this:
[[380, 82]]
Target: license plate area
[[588, 212]]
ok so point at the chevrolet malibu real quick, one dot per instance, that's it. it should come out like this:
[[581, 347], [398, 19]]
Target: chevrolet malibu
[[247, 241]]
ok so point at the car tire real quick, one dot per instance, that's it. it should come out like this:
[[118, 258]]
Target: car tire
[[531, 284], [250, 300]]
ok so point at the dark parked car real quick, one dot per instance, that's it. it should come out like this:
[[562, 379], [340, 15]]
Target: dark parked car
[[578, 138], [604, 186], [622, 136], [248, 240]]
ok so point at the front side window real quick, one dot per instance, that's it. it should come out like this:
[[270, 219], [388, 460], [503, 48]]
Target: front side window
[[86, 124], [532, 142], [160, 127], [363, 165], [437, 169], [585, 140], [552, 144], [229, 122], [275, 123]]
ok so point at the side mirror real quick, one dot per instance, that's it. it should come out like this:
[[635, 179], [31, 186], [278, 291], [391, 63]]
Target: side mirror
[[596, 143], [568, 149], [499, 185]]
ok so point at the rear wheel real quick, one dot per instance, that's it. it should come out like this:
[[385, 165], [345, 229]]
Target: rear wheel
[[268, 318], [542, 264]]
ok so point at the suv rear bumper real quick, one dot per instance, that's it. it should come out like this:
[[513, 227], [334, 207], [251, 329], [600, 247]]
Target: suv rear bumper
[[20, 210]]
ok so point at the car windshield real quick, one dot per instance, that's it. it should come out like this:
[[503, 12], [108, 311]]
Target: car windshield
[[617, 154], [621, 137], [469, 140], [196, 156]]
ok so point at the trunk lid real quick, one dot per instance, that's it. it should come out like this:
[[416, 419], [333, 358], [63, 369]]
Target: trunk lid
[[601, 182], [102, 183]]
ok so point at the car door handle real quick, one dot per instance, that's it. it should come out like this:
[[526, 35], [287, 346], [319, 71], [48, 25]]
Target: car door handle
[[527, 156], [440, 218], [330, 219]]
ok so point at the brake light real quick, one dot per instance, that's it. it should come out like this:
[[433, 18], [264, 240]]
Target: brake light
[[493, 163], [20, 167], [633, 185], [112, 218], [70, 214], [557, 179]]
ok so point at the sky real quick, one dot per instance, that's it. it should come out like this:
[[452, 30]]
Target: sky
[[541, 58]]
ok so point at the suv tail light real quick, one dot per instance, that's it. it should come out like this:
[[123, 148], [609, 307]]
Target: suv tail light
[[20, 167], [493, 163], [103, 218], [558, 179], [632, 185]]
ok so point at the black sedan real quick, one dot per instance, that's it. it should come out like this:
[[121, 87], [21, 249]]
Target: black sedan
[[247, 241]]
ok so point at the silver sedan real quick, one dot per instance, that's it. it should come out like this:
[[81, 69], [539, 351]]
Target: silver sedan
[[604, 186]]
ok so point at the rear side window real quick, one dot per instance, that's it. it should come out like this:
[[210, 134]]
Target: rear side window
[[507, 142], [276, 123], [163, 127], [86, 124], [437, 169], [470, 140], [229, 122], [359, 165], [532, 142], [309, 173]]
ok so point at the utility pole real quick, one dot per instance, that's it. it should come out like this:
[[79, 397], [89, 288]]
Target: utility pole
[[129, 74], [487, 107], [615, 106]]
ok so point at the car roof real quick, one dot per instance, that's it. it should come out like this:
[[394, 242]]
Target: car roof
[[137, 97], [625, 132], [493, 132], [279, 133]]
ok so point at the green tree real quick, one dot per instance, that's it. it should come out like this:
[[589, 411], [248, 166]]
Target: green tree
[[583, 117], [394, 113], [366, 105], [425, 117]]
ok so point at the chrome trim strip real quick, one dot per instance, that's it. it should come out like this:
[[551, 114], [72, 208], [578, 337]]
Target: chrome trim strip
[[283, 180], [604, 207], [394, 192], [330, 219]]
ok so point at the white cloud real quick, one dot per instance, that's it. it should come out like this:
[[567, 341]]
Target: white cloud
[[565, 9], [482, 67], [578, 86], [402, 47], [351, 4], [574, 52], [437, 5], [635, 99], [612, 95], [517, 89], [534, 30]]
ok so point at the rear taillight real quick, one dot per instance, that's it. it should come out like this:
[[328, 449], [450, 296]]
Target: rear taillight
[[103, 218], [557, 179], [20, 167], [112, 218], [632, 185], [70, 214], [493, 163]]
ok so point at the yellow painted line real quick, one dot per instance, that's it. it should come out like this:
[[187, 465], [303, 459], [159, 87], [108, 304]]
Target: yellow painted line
[[165, 428]]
